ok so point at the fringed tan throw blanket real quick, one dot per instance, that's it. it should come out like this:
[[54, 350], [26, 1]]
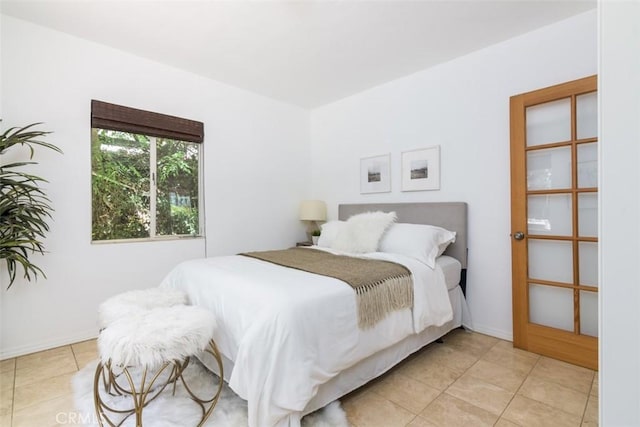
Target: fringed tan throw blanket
[[380, 286]]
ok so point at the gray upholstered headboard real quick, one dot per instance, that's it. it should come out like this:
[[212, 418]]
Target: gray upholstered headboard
[[450, 215]]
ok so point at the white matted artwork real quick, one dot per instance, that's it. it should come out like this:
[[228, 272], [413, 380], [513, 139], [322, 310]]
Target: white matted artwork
[[375, 174], [421, 169]]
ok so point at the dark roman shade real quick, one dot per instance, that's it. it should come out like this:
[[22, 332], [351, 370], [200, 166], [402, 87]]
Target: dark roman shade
[[117, 117]]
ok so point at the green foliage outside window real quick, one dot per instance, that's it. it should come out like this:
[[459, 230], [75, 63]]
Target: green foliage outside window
[[177, 194], [122, 187]]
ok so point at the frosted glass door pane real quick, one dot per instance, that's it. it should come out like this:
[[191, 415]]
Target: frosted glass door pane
[[549, 168], [587, 115], [588, 215], [588, 253], [587, 165], [551, 306], [589, 313], [550, 215], [549, 122], [551, 260]]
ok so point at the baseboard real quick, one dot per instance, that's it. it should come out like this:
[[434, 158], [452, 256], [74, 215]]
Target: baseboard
[[493, 332], [8, 353]]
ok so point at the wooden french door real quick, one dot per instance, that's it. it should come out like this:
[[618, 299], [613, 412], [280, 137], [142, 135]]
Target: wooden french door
[[554, 199]]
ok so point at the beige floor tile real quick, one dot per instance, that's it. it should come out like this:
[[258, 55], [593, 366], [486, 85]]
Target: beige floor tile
[[43, 365], [7, 376], [456, 360], [85, 352], [503, 377], [359, 391], [430, 373], [527, 412], [6, 396], [481, 394], [448, 411], [6, 392], [6, 408], [514, 359], [508, 345], [421, 422], [347, 400], [505, 423], [595, 385], [469, 342], [6, 379], [372, 410], [40, 357], [41, 391], [86, 346], [591, 412], [45, 414], [7, 365], [574, 377], [5, 420], [554, 394], [409, 393]]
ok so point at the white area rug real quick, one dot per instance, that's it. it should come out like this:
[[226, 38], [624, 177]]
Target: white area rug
[[173, 411]]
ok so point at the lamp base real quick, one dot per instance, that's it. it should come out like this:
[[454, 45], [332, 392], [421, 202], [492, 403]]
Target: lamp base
[[311, 227]]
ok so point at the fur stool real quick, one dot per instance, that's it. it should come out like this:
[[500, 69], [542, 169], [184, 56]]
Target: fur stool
[[147, 349]]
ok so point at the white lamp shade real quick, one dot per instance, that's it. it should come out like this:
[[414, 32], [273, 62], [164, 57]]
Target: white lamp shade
[[313, 210]]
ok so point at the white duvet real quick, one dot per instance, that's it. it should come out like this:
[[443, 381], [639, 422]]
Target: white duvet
[[289, 331]]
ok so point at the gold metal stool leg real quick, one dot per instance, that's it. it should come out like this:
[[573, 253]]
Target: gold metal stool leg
[[212, 402], [145, 392]]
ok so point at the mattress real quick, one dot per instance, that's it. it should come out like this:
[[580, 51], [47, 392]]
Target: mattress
[[452, 270]]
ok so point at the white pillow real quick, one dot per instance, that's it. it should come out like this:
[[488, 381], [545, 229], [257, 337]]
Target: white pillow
[[423, 242], [362, 232], [329, 231]]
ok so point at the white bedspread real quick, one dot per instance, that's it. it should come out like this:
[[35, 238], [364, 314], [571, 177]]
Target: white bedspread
[[289, 331]]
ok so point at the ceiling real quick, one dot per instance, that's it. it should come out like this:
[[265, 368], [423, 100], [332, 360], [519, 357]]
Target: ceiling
[[304, 52]]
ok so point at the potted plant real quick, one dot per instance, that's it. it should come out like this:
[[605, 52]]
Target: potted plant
[[315, 235], [24, 207]]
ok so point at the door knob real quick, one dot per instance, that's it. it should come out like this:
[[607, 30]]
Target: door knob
[[518, 235]]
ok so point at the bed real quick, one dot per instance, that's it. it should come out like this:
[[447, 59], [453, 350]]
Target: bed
[[289, 355]]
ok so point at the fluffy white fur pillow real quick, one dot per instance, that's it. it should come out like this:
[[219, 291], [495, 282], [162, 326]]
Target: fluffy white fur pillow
[[423, 242], [361, 233], [329, 231]]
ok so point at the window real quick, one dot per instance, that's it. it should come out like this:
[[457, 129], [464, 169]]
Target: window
[[145, 174]]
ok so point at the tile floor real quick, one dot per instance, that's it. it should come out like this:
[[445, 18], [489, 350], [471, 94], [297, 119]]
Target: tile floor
[[470, 380]]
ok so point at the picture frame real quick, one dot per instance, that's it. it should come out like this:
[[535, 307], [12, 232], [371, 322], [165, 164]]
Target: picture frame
[[375, 174], [421, 169]]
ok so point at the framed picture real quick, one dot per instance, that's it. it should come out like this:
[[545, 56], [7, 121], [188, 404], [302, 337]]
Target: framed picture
[[375, 174], [421, 169]]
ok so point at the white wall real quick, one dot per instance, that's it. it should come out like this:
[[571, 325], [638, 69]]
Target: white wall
[[257, 162], [619, 81], [463, 106]]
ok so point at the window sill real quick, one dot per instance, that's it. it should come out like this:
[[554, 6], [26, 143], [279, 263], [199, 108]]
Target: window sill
[[147, 239]]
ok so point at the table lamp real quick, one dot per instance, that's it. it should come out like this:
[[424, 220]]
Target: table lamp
[[312, 211]]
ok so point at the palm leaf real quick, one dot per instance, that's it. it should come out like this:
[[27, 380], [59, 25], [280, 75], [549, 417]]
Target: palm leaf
[[24, 206], [15, 135]]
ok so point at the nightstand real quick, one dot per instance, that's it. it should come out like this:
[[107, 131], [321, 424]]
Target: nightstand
[[304, 244]]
